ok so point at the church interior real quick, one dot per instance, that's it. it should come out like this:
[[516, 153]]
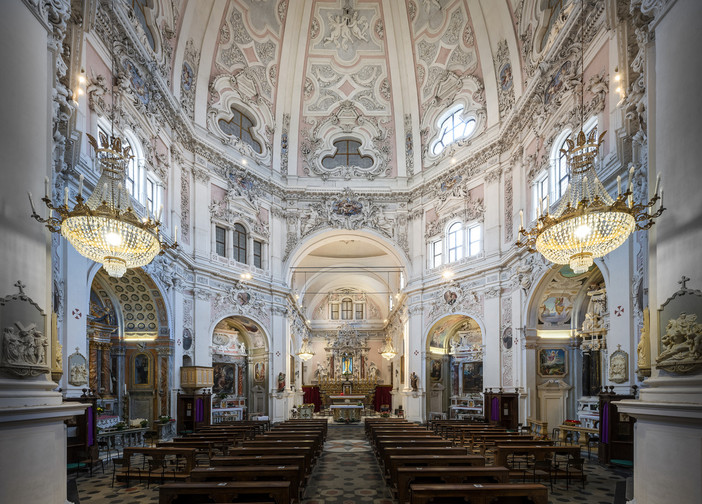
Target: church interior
[[325, 229]]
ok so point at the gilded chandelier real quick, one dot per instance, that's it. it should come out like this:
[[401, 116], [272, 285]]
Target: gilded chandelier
[[105, 228], [587, 222], [305, 352], [388, 350]]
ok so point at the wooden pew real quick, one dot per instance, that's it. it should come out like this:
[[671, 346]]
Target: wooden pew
[[264, 460], [540, 452], [411, 443], [417, 452], [397, 461], [289, 473], [477, 493], [186, 454], [275, 451], [446, 474], [229, 491]]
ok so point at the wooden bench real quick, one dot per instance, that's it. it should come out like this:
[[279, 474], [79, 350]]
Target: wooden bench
[[395, 461], [446, 474], [264, 460], [275, 451], [539, 452], [289, 473], [225, 491], [477, 493], [159, 454]]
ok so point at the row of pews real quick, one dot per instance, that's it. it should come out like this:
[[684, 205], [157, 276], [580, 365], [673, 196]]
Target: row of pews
[[447, 462], [244, 463]]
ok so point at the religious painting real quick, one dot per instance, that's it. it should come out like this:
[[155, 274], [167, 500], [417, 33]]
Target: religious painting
[[223, 378], [507, 338], [435, 371], [259, 372], [187, 77], [556, 83], [472, 377], [142, 369], [553, 362], [346, 365], [450, 297], [187, 339], [555, 310], [506, 77]]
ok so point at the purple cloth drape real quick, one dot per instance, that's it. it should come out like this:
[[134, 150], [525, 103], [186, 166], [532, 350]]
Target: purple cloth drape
[[604, 425], [495, 409], [199, 410]]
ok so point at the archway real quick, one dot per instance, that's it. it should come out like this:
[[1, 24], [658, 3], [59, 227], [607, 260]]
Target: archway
[[240, 363], [454, 349], [130, 349], [568, 321]]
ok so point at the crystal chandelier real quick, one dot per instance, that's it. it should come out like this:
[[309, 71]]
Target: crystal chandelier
[[105, 228], [587, 222], [388, 350], [305, 352]]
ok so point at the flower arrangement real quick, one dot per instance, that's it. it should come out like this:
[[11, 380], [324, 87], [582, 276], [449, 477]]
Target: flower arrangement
[[100, 410], [164, 419], [385, 415], [572, 422], [138, 422], [120, 425]]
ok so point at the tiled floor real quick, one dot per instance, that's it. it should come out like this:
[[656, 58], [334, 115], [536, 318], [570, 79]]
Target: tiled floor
[[346, 473]]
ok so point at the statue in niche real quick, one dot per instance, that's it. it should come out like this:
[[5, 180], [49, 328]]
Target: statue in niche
[[643, 350], [321, 372]]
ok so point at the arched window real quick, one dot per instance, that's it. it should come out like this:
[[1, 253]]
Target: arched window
[[452, 128], [240, 126], [455, 242], [239, 243], [346, 309], [560, 175], [347, 154]]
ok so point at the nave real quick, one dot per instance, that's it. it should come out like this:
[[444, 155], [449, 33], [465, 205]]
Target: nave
[[347, 471]]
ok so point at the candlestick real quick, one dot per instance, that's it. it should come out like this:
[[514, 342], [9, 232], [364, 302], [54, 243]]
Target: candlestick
[[34, 210]]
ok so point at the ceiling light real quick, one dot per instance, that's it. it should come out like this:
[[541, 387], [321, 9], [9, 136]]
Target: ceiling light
[[305, 352], [388, 350]]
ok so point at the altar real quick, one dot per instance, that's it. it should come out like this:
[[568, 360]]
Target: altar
[[346, 412], [347, 398]]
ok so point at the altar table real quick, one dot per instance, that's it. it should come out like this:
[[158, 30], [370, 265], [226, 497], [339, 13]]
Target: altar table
[[348, 412]]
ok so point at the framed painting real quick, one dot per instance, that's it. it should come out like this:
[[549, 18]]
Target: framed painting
[[472, 377], [142, 370], [553, 362], [223, 378], [435, 370], [259, 372]]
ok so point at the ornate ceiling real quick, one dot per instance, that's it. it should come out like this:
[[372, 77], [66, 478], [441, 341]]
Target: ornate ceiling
[[382, 73]]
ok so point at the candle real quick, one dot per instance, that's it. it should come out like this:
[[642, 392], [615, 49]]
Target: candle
[[104, 192], [119, 195], [80, 185], [619, 185], [34, 210], [521, 219], [158, 216], [658, 183], [586, 189], [65, 197], [548, 203], [46, 187], [175, 234], [661, 198]]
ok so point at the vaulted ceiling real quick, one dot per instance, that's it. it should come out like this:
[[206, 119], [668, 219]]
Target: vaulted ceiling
[[311, 72]]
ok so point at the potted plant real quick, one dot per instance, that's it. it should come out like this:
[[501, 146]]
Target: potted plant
[[120, 425], [144, 424]]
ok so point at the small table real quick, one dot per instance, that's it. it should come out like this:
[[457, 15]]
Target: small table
[[347, 412]]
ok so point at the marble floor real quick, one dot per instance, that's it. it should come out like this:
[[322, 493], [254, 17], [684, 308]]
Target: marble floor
[[346, 473]]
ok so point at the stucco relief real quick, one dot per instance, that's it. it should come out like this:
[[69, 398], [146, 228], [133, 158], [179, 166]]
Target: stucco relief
[[454, 298]]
